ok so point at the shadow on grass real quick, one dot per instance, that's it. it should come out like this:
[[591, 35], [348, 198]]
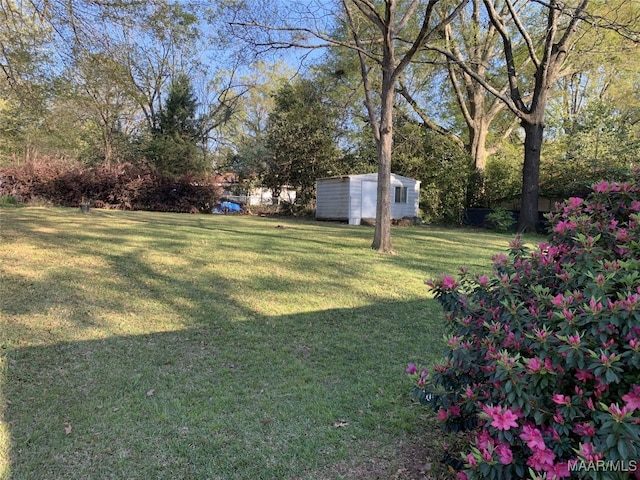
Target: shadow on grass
[[154, 346], [277, 397]]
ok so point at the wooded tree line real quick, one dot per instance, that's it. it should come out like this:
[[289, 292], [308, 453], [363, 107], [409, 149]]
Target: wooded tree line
[[459, 94]]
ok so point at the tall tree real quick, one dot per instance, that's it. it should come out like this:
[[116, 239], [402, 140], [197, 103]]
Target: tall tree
[[100, 93], [25, 85], [243, 137], [175, 135], [477, 109], [300, 141], [548, 50], [385, 36]]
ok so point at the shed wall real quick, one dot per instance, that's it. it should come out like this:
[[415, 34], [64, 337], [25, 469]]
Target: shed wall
[[355, 201], [340, 198], [332, 199], [411, 208]]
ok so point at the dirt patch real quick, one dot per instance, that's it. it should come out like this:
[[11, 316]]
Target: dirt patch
[[421, 461], [413, 460]]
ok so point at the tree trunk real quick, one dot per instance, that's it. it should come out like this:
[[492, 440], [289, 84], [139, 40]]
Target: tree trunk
[[530, 176], [108, 148], [382, 235], [478, 143]]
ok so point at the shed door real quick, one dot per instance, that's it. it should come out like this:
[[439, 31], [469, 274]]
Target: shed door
[[369, 197]]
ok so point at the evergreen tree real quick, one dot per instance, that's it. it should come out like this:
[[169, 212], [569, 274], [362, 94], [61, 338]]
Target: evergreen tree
[[174, 144]]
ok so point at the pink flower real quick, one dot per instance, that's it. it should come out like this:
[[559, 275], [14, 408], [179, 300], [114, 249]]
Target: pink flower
[[484, 440], [617, 413], [505, 455], [487, 456], [633, 398], [471, 460], [411, 369], [604, 187], [548, 364], [500, 259], [584, 429], [560, 399], [423, 377], [448, 282], [589, 403], [461, 476], [483, 281], [588, 452], [563, 226], [601, 187], [444, 414], [631, 302], [574, 340], [534, 365], [601, 388], [469, 393], [595, 306], [559, 470], [504, 420], [584, 375], [541, 459], [607, 361], [533, 437], [622, 235], [541, 334]]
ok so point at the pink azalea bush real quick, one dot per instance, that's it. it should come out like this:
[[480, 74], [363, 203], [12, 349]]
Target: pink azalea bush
[[543, 362]]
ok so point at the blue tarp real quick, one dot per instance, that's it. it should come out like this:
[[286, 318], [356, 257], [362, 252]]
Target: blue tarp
[[226, 207]]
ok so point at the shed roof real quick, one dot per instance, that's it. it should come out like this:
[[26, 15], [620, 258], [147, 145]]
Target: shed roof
[[367, 176]]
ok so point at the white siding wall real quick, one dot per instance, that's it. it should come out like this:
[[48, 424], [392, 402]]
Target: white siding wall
[[340, 198], [355, 199], [409, 209], [332, 198]]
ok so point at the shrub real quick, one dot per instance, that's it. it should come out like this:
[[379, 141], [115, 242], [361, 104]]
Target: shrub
[[123, 186], [542, 364], [501, 220], [443, 168], [8, 201]]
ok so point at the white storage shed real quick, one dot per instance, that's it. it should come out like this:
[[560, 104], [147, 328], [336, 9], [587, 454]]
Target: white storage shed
[[353, 197]]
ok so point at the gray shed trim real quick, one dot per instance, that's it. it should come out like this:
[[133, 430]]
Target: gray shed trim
[[353, 197]]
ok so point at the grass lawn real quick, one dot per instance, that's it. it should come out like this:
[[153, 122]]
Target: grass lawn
[[138, 345]]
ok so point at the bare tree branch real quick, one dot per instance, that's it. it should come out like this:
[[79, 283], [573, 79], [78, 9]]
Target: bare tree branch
[[426, 120], [515, 98], [369, 10], [364, 72], [523, 31]]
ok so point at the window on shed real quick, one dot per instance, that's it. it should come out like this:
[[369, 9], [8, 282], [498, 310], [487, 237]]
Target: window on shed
[[401, 195]]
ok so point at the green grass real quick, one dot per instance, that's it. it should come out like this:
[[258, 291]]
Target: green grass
[[143, 345]]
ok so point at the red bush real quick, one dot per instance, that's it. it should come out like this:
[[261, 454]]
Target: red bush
[[122, 186]]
